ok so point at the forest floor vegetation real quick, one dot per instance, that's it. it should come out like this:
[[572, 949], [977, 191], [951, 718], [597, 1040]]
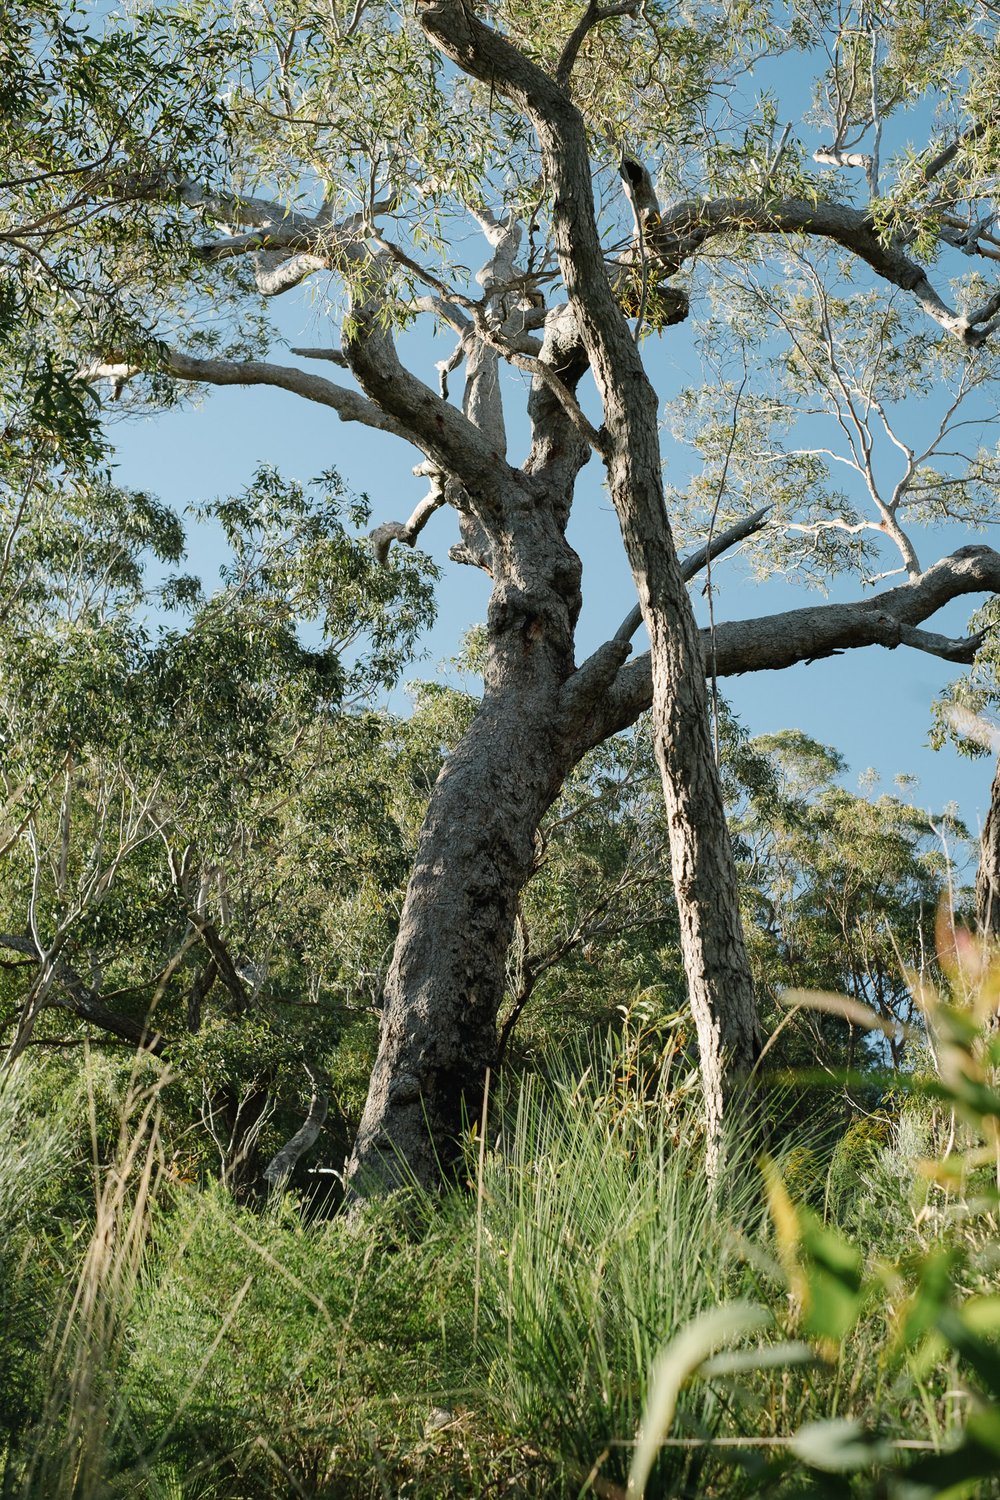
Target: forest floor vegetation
[[818, 1324]]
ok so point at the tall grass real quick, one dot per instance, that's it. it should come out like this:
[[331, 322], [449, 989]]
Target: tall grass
[[512, 1336], [33, 1152], [84, 1445], [599, 1239]]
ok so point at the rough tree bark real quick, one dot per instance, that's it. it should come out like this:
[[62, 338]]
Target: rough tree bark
[[477, 845], [475, 854], [988, 874]]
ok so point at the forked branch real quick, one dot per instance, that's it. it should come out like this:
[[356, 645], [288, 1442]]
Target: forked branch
[[592, 16], [407, 531]]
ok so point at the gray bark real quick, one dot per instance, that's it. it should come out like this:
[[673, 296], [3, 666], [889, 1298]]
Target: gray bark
[[475, 854], [477, 845], [988, 874], [283, 1162]]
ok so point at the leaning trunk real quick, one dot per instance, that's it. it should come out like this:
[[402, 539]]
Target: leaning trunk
[[988, 876], [715, 959], [704, 870], [719, 984], [475, 853]]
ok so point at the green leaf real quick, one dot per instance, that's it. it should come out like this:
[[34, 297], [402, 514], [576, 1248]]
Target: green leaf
[[838, 1445], [983, 1357], [768, 1357], [933, 1291], [955, 1474], [674, 1365], [836, 1291]]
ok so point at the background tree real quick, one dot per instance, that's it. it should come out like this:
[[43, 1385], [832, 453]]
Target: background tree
[[197, 824], [846, 887]]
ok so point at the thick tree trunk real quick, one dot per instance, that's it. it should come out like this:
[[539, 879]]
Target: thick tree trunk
[[988, 875], [475, 853]]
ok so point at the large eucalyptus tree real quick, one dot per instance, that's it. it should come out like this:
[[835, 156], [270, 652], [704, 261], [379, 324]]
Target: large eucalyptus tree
[[355, 145]]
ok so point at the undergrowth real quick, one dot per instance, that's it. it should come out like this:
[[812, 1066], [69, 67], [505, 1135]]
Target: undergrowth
[[583, 1305]]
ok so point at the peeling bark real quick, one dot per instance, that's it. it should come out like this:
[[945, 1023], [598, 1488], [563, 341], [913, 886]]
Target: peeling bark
[[988, 874]]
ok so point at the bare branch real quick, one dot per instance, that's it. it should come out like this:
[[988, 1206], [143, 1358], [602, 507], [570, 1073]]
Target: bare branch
[[692, 566], [448, 438], [686, 227], [234, 208], [396, 531], [444, 310], [773, 642], [829, 156], [960, 649], [509, 350], [291, 233], [335, 356], [284, 1161], [349, 405], [273, 280]]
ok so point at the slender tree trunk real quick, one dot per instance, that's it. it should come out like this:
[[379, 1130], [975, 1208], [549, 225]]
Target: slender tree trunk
[[988, 875], [720, 988], [476, 852]]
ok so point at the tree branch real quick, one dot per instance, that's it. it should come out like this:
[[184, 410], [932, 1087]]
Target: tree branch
[[773, 642], [692, 566], [592, 16], [947, 154], [348, 404], [335, 356], [274, 279], [960, 649], [511, 350], [210, 936], [234, 208], [82, 1001], [397, 531], [284, 1161], [289, 233], [449, 439], [687, 226]]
